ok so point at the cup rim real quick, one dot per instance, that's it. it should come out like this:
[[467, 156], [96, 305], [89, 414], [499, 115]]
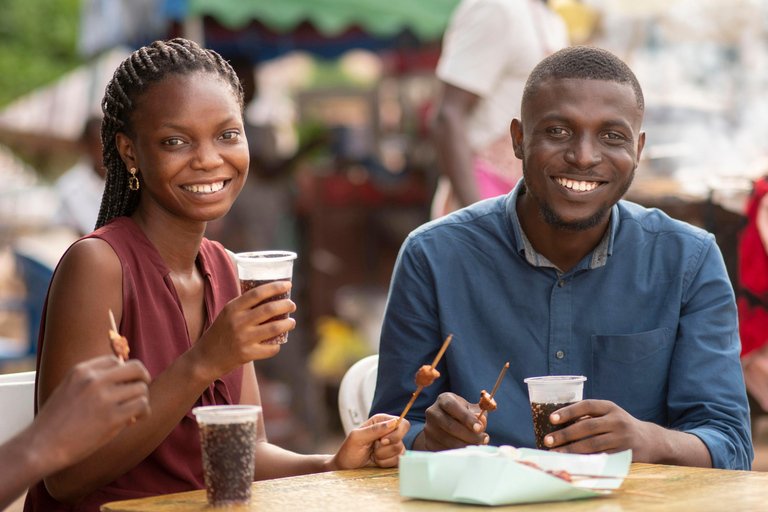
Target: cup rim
[[265, 256], [235, 413], [555, 379]]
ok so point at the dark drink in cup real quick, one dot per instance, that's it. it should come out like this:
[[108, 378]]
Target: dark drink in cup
[[262, 267], [247, 284], [541, 424], [228, 441], [227, 479], [547, 395]]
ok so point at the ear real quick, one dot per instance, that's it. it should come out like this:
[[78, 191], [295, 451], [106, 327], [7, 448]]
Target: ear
[[127, 150], [640, 146], [516, 131]]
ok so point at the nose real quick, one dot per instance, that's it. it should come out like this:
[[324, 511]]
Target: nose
[[583, 152], [206, 157]]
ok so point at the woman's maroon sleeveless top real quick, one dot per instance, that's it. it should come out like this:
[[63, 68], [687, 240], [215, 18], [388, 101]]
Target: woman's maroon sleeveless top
[[154, 324]]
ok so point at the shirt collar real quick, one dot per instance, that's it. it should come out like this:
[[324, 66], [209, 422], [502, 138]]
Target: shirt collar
[[524, 247]]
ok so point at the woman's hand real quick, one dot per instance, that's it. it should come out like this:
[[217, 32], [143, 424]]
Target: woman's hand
[[237, 335], [376, 441]]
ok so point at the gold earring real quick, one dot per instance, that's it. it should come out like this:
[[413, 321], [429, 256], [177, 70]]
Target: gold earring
[[133, 181]]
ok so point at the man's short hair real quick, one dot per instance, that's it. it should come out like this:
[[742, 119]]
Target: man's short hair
[[585, 63]]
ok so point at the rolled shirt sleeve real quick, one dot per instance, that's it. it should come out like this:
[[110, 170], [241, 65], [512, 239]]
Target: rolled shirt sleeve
[[706, 385]]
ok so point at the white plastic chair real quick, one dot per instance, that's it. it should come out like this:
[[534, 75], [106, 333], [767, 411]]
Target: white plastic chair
[[356, 392], [17, 403]]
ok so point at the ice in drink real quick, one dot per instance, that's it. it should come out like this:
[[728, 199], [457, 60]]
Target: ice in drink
[[541, 424], [548, 394], [228, 441]]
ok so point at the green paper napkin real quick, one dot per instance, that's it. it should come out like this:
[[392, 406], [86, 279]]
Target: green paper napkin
[[486, 475]]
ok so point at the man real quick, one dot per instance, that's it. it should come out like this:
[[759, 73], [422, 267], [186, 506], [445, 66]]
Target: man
[[81, 187], [489, 49], [560, 277]]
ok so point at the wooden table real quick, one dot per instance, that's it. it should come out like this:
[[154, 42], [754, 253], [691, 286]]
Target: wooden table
[[377, 490]]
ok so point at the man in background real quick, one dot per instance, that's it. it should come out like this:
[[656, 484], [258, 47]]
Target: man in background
[[81, 187], [489, 49]]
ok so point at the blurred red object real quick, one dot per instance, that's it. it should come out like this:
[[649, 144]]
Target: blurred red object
[[753, 277]]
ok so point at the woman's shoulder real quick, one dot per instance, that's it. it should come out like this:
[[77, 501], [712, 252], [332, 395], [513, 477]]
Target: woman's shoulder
[[93, 257]]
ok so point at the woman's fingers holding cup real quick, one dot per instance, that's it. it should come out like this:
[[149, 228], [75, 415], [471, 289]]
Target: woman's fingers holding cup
[[273, 289], [276, 309]]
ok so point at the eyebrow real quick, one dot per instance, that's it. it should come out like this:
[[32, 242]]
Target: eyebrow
[[179, 127], [605, 123]]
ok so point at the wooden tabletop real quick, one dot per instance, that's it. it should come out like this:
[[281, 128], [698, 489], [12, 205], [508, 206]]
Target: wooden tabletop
[[377, 490]]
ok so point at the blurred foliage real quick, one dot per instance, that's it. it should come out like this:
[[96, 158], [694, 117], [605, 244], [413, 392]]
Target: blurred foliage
[[38, 42], [327, 74]]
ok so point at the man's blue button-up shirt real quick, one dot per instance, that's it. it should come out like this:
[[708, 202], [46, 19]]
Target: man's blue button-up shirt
[[648, 317]]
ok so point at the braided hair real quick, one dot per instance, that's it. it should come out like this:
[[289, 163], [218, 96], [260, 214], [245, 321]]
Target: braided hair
[[145, 67]]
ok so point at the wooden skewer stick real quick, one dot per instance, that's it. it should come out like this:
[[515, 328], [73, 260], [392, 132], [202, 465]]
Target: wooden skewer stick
[[112, 321], [418, 390], [498, 381], [117, 333], [119, 343], [628, 491], [627, 477]]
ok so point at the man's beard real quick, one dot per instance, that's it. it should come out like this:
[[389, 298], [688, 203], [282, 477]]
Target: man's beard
[[549, 216]]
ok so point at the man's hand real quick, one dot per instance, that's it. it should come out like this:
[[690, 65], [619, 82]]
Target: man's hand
[[603, 426], [93, 403], [451, 422]]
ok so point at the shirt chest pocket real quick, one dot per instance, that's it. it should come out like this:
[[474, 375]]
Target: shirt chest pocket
[[632, 370]]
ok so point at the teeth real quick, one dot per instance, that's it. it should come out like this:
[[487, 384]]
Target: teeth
[[583, 186], [204, 189]]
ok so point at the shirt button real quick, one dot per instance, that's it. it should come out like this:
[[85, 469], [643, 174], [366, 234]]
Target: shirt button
[[560, 354], [561, 283]]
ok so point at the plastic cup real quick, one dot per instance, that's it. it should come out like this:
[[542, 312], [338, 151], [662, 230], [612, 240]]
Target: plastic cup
[[228, 439], [548, 394], [262, 267]]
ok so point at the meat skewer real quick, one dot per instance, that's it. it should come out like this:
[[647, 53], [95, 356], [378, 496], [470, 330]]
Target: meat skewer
[[424, 377], [119, 343], [569, 477], [487, 403]]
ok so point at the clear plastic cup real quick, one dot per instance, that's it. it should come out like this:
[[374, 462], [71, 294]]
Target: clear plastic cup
[[262, 267], [228, 440], [548, 394]]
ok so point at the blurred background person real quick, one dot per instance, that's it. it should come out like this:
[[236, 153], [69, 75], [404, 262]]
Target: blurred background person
[[753, 301], [80, 188], [489, 49]]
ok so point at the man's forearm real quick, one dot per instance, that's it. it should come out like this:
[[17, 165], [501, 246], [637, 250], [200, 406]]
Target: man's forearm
[[449, 135], [21, 466], [679, 448], [455, 156]]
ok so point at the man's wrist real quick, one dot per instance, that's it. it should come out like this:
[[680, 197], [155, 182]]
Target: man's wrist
[[420, 442], [676, 447]]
